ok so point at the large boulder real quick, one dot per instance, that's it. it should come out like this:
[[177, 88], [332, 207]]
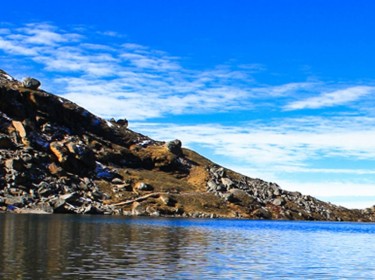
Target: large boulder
[[174, 147], [31, 83]]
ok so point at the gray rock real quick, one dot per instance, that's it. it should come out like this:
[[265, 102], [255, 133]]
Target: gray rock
[[220, 172], [144, 187], [69, 197], [295, 194], [229, 197], [269, 194], [40, 208], [174, 147], [211, 185], [262, 213], [278, 201], [44, 188], [14, 191], [276, 189], [221, 188], [57, 204], [117, 181], [227, 182], [17, 201], [31, 83]]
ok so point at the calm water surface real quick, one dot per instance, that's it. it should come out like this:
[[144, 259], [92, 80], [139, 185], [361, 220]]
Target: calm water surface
[[101, 247]]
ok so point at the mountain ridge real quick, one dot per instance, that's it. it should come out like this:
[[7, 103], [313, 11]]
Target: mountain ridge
[[57, 157]]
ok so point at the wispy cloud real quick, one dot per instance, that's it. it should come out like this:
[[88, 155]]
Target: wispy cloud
[[329, 99], [287, 89], [347, 194], [43, 34], [156, 62], [16, 49], [287, 144], [116, 79], [126, 79]]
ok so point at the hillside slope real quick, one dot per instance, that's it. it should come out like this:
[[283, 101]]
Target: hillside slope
[[56, 157]]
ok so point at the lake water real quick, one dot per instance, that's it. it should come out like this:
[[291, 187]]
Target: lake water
[[106, 247]]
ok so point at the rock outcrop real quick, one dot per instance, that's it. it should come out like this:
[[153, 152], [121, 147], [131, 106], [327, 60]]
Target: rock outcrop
[[56, 157]]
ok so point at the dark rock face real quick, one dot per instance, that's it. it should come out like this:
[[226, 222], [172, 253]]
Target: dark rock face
[[56, 157], [49, 151]]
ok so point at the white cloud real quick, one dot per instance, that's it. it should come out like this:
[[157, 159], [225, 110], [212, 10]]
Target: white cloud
[[329, 99], [145, 61], [4, 31], [110, 34], [331, 189], [134, 47], [133, 72], [46, 34], [16, 49], [44, 37], [286, 148], [347, 194], [287, 89], [107, 105], [149, 79]]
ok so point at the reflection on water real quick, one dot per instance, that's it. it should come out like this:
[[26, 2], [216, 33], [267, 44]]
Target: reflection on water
[[93, 247]]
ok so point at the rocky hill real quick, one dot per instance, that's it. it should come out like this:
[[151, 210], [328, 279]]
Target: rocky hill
[[56, 157]]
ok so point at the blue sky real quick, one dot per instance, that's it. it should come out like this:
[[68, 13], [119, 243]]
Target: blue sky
[[279, 90]]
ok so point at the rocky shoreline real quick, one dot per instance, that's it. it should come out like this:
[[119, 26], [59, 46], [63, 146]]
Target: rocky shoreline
[[56, 157]]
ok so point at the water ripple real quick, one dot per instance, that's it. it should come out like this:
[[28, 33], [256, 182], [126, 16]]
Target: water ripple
[[92, 247]]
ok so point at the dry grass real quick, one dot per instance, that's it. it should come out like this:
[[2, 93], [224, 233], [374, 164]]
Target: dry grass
[[188, 189], [198, 177]]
